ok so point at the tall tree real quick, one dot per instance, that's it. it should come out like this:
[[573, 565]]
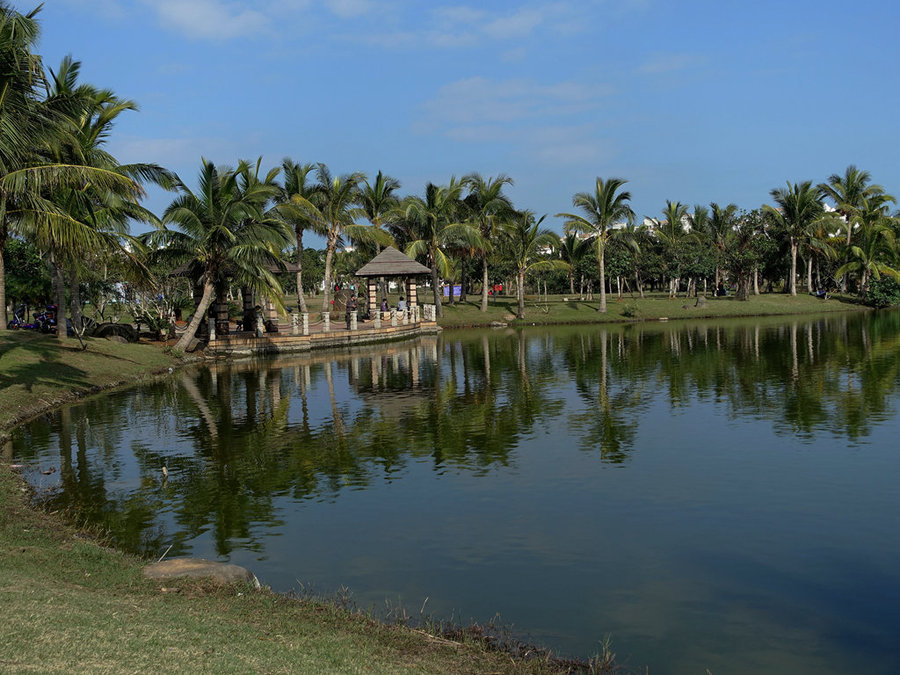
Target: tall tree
[[29, 126], [223, 231], [333, 208], [487, 206], [296, 183], [721, 225], [529, 246], [434, 225], [849, 192], [798, 208], [607, 205], [97, 215], [378, 199]]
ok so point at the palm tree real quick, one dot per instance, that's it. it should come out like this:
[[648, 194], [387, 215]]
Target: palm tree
[[296, 183], [875, 252], [224, 232], [97, 216], [487, 206], [848, 192], [721, 225], [333, 208], [572, 249], [798, 208], [671, 232], [30, 126], [378, 200], [528, 245], [434, 225], [606, 206]]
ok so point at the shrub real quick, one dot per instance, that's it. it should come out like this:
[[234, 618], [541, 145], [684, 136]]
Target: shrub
[[884, 292]]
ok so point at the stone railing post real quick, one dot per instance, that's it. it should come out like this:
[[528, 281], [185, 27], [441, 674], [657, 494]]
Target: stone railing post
[[405, 317], [354, 325], [212, 331], [376, 322], [295, 324], [305, 319], [393, 317], [326, 318], [260, 326], [414, 313]]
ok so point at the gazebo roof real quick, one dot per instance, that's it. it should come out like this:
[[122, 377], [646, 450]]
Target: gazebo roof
[[392, 263]]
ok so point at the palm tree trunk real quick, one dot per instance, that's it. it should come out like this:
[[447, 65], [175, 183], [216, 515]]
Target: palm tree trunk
[[3, 318], [75, 301], [329, 254], [755, 281], [520, 294], [438, 309], [301, 301], [199, 313], [571, 283], [793, 283], [60, 287], [809, 278], [602, 264], [463, 279], [484, 283]]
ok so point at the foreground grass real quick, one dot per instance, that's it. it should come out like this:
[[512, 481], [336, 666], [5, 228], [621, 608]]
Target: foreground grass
[[572, 310]]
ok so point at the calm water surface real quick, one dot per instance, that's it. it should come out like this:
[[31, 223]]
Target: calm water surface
[[713, 495]]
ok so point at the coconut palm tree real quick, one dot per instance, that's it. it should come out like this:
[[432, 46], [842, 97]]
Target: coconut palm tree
[[848, 192], [434, 225], [333, 208], [97, 216], [528, 245], [29, 127], [607, 205], [670, 232], [722, 221], [378, 200], [798, 208], [297, 183], [223, 231], [572, 249], [487, 207]]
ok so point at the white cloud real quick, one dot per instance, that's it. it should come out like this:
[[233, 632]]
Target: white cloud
[[662, 64], [478, 99], [209, 19], [546, 122], [349, 8], [516, 25]]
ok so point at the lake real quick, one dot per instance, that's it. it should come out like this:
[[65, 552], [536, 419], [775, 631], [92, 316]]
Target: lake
[[713, 494]]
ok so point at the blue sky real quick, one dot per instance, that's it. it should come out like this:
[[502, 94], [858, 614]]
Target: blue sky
[[695, 101]]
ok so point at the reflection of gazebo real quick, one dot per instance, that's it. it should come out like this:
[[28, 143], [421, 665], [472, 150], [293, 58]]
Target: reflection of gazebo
[[392, 264]]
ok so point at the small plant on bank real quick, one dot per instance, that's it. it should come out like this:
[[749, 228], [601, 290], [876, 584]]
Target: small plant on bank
[[629, 310]]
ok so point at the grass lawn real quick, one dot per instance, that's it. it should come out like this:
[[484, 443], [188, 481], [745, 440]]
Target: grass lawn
[[568, 310]]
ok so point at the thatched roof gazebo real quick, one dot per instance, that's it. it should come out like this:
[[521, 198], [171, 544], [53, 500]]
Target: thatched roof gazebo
[[392, 264]]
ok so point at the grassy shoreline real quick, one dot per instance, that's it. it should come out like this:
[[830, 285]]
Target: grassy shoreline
[[71, 596]]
